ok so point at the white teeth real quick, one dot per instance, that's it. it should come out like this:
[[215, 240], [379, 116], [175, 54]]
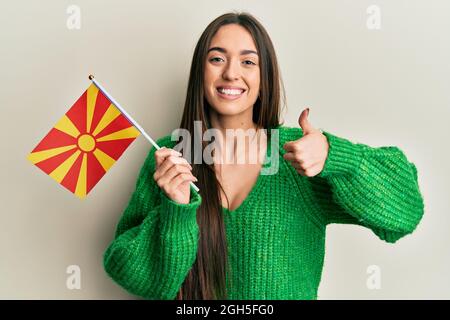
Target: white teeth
[[234, 92]]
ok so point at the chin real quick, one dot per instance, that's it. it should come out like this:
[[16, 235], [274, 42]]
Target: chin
[[228, 109]]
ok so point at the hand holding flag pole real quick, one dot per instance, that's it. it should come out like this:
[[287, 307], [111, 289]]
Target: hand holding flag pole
[[129, 118]]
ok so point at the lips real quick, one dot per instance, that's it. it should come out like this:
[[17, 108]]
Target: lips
[[230, 90], [230, 93]]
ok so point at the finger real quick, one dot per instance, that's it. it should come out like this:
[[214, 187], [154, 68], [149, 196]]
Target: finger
[[292, 146], [171, 173], [304, 122], [290, 156], [168, 163], [163, 153], [310, 172], [297, 165], [303, 164], [181, 178], [171, 160], [296, 156], [301, 172]]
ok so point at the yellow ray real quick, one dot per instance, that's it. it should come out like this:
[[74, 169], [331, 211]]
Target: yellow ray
[[60, 172], [66, 125], [130, 132], [105, 160], [38, 156], [80, 190], [111, 113], [92, 93]]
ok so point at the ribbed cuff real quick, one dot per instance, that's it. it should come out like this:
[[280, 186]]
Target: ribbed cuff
[[344, 157], [177, 218]]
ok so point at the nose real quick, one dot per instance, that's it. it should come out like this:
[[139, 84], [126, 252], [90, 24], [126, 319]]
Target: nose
[[232, 71]]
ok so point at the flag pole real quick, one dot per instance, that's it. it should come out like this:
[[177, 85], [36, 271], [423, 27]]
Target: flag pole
[[129, 118]]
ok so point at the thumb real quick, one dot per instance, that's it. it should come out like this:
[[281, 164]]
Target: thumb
[[304, 122]]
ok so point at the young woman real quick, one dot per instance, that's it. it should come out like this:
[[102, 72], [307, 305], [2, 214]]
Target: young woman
[[248, 235]]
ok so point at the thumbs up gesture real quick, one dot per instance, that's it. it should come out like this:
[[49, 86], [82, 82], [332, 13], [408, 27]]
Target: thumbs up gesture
[[307, 154]]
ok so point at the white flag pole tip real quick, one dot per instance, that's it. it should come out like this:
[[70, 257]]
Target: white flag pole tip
[[113, 101]]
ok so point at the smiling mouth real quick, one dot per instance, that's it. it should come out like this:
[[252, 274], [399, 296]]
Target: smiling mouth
[[231, 92]]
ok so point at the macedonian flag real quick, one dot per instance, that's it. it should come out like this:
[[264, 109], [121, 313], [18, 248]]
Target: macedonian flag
[[84, 143]]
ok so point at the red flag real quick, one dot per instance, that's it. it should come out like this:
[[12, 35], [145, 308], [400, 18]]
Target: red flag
[[84, 143]]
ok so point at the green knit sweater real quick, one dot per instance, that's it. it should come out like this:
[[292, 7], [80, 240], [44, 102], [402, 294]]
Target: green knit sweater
[[276, 237]]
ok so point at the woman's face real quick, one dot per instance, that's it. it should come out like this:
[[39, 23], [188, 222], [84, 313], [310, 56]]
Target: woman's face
[[232, 75]]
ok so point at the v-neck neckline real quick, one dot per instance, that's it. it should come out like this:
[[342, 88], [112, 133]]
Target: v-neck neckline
[[259, 180]]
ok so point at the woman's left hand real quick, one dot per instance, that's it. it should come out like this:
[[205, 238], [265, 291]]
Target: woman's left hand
[[307, 154]]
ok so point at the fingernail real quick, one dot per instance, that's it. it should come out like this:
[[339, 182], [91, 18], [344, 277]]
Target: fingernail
[[307, 110]]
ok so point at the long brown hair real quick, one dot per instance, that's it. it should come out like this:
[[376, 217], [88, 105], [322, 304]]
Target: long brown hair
[[209, 275]]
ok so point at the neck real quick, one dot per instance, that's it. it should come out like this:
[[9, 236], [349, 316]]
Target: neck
[[242, 121]]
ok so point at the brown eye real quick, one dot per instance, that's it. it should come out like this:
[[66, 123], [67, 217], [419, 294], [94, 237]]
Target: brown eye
[[215, 59], [249, 62]]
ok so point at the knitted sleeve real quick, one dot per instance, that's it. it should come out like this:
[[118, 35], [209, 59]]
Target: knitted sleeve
[[373, 187], [156, 240]]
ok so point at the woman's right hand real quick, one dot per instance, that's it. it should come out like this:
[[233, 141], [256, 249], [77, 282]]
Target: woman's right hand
[[173, 175]]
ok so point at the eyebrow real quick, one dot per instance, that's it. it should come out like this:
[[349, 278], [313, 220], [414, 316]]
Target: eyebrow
[[243, 52]]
